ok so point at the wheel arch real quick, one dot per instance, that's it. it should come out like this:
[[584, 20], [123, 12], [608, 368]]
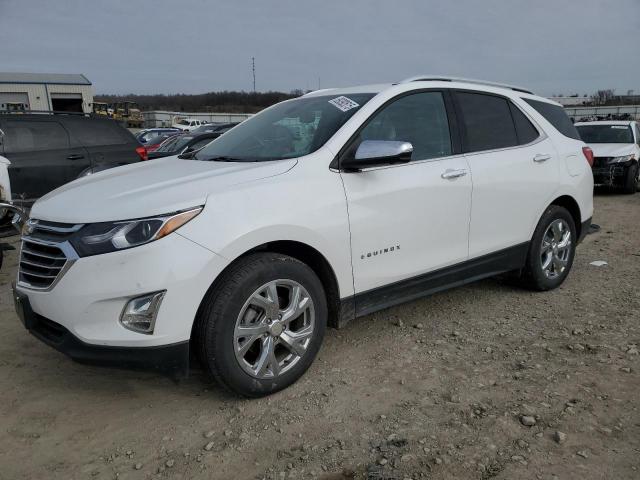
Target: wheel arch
[[570, 203], [300, 251]]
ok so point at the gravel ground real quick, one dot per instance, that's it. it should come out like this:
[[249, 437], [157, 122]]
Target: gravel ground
[[486, 381]]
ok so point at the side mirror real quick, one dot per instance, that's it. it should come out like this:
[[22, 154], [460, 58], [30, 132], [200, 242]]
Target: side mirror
[[375, 153]]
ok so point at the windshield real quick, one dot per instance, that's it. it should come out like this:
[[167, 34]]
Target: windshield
[[287, 130], [605, 133], [182, 122], [173, 144]]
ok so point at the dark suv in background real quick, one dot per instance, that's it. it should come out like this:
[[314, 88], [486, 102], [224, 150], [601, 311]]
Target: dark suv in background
[[49, 150]]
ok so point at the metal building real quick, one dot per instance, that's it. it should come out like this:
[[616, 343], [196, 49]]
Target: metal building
[[45, 91]]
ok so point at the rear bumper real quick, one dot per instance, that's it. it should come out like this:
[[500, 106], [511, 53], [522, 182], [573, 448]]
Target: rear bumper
[[172, 359]]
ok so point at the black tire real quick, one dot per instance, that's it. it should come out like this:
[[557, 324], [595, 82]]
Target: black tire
[[630, 185], [214, 330], [534, 276]]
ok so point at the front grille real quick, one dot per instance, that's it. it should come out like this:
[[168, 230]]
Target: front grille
[[40, 264], [601, 162], [46, 253]]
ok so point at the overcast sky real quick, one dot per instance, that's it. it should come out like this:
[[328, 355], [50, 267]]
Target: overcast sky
[[194, 46]]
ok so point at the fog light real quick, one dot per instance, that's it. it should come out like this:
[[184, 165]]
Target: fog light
[[140, 313]]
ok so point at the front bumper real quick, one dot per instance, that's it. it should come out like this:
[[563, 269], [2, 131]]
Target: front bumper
[[172, 359], [80, 314], [610, 175]]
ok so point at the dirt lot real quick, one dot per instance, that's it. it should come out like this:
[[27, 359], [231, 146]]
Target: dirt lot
[[432, 389]]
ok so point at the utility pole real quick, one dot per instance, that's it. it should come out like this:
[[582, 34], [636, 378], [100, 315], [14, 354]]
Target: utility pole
[[253, 69]]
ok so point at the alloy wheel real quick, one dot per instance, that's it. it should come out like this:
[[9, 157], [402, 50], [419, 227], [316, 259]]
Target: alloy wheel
[[556, 248], [274, 329]]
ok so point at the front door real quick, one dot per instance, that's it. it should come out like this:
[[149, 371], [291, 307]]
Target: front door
[[409, 219]]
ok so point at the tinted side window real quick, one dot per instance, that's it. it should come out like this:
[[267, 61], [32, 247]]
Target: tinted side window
[[34, 136], [556, 116], [525, 130], [487, 121], [97, 133], [420, 118]]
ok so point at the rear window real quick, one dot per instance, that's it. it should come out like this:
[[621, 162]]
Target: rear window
[[97, 132], [34, 136], [487, 121], [556, 116]]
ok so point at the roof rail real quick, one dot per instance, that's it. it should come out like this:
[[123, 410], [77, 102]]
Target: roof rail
[[436, 78], [44, 112]]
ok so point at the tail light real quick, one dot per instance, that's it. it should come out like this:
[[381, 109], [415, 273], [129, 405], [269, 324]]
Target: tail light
[[142, 151], [588, 154]]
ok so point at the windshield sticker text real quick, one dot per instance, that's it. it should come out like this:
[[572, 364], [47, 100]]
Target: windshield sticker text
[[343, 103]]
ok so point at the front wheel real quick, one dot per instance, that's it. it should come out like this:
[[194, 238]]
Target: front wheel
[[261, 326], [552, 250]]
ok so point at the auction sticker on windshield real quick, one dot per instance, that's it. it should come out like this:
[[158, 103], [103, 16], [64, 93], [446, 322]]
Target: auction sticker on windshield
[[343, 103]]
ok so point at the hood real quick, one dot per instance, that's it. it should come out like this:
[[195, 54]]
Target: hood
[[612, 149], [148, 188]]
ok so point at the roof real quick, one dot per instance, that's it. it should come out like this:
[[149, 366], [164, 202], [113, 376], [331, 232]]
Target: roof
[[441, 82], [348, 90], [41, 78], [606, 122]]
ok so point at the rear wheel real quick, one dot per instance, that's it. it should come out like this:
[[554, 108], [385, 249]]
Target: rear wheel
[[552, 250], [261, 327], [632, 179]]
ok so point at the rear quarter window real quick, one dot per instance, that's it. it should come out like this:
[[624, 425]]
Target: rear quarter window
[[98, 133], [556, 116]]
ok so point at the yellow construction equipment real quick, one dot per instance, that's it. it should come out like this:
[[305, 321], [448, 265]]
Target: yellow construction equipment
[[128, 114], [16, 107], [100, 108]]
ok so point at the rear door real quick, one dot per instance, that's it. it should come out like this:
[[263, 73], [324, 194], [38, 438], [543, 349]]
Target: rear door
[[41, 154], [109, 144], [514, 167]]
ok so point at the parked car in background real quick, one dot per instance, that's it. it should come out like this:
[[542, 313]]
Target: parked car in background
[[616, 151], [187, 124], [184, 143], [215, 127], [154, 142], [143, 136], [314, 211], [47, 150], [11, 216]]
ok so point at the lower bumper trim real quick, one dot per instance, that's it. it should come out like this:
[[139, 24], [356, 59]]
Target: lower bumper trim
[[584, 229]]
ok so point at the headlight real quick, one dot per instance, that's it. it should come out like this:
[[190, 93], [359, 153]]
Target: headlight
[[98, 238], [622, 159]]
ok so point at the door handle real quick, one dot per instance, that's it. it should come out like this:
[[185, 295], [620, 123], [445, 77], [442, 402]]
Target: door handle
[[449, 173], [541, 157], [75, 156]]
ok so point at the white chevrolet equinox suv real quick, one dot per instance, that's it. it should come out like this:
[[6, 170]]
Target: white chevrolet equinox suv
[[313, 212]]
